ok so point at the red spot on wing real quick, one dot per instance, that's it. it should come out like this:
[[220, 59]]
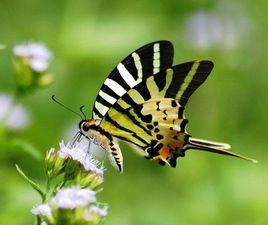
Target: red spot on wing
[[166, 151]]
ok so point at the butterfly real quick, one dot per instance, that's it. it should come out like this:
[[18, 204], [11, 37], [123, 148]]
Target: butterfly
[[142, 102]]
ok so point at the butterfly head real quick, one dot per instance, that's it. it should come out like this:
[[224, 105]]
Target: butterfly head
[[85, 125]]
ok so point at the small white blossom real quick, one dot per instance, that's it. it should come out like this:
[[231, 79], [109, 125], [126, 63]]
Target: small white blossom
[[65, 150], [15, 117], [73, 197], [43, 210], [43, 223], [32, 50], [79, 153], [37, 54], [95, 211]]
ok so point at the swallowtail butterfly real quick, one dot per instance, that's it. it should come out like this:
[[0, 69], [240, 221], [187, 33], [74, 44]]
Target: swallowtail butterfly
[[142, 102]]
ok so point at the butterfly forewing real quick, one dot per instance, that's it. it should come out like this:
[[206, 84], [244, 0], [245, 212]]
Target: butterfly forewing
[[139, 65]]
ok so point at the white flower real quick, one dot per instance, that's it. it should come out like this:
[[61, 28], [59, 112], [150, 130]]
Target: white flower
[[32, 50], [15, 117], [43, 210], [79, 152], [37, 54], [73, 197], [95, 211], [43, 223]]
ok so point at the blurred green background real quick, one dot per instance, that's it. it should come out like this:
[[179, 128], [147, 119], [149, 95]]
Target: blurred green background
[[88, 38]]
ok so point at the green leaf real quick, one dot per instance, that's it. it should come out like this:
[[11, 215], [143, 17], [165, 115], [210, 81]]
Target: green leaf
[[32, 183], [2, 47]]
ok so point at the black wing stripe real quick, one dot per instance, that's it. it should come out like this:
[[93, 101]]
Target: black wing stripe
[[199, 78], [117, 125], [96, 112], [126, 76], [116, 87], [129, 115], [143, 90], [122, 79], [187, 78], [109, 91], [180, 72], [102, 101]]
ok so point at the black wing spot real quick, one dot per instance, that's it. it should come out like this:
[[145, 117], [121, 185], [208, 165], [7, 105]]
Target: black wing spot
[[158, 106], [183, 125], [181, 109], [161, 162], [159, 137], [173, 103]]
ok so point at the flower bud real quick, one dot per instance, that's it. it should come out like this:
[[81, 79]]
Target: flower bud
[[53, 163]]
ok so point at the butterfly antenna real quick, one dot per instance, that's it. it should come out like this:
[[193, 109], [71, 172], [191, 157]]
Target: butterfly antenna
[[83, 113], [55, 100]]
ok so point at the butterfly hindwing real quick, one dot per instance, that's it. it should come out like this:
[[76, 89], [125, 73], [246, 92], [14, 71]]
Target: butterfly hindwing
[[156, 126], [136, 67]]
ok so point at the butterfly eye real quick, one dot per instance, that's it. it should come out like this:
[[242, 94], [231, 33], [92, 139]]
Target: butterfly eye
[[85, 127]]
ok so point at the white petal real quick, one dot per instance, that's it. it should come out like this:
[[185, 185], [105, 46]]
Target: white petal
[[38, 65], [43, 209], [73, 197]]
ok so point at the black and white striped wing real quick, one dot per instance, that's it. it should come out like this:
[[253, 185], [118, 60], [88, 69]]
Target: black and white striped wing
[[139, 65]]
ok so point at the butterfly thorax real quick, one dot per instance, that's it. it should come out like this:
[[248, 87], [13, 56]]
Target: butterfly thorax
[[93, 131]]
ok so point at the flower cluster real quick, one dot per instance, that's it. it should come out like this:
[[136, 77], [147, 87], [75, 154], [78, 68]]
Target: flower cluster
[[71, 205], [76, 165], [31, 61], [74, 178], [37, 55]]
